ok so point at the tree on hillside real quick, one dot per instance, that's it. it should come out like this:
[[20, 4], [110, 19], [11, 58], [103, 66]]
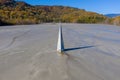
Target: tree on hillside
[[19, 12], [116, 20]]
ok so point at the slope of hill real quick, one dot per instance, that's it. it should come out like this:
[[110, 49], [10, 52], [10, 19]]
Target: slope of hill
[[6, 1], [112, 15], [17, 12]]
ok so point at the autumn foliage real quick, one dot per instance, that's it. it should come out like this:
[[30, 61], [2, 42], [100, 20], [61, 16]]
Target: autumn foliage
[[16, 12]]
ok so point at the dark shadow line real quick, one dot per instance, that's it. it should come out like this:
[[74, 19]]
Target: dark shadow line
[[70, 49]]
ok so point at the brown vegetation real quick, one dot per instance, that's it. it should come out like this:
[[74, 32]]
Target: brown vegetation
[[15, 12]]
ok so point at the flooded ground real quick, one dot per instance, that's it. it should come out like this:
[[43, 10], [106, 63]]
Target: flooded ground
[[28, 52]]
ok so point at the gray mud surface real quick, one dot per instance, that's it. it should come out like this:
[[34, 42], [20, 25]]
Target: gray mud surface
[[28, 52]]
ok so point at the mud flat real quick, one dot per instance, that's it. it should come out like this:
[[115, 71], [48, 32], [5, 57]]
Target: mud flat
[[28, 52]]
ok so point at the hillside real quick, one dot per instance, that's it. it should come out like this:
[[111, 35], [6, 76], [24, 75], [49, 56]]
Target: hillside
[[112, 15], [16, 12], [6, 1], [116, 20]]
